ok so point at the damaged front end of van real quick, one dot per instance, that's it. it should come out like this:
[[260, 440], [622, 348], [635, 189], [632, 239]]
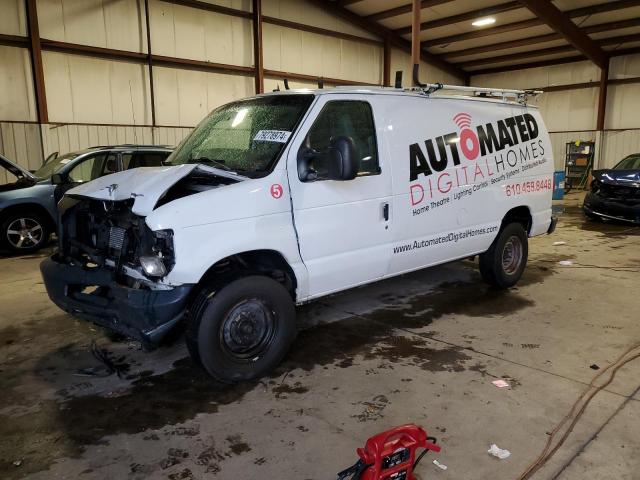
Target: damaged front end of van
[[110, 265]]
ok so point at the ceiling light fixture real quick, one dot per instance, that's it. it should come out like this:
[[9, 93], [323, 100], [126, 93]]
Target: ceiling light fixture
[[483, 22]]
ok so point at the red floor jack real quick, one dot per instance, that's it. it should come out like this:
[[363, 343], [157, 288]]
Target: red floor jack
[[391, 455]]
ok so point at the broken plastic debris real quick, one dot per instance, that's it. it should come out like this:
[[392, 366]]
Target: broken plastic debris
[[555, 244], [17, 463], [441, 466], [498, 452], [500, 383], [565, 262]]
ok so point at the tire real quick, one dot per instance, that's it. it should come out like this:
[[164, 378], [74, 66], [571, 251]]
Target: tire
[[242, 330], [503, 264], [25, 232]]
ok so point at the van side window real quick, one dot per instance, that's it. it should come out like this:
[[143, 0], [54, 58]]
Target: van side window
[[347, 118]]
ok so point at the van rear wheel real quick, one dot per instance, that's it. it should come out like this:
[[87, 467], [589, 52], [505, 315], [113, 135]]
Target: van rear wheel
[[243, 330], [503, 264]]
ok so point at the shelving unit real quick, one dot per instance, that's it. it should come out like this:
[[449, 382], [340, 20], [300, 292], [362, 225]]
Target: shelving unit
[[578, 164]]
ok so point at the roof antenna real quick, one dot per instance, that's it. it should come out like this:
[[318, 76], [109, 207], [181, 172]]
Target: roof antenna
[[398, 83], [286, 84], [320, 82]]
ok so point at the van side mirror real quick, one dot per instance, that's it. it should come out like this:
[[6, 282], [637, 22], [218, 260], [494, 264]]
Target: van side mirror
[[342, 161], [57, 179]]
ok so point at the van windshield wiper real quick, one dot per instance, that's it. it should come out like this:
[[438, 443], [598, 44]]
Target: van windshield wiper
[[215, 163]]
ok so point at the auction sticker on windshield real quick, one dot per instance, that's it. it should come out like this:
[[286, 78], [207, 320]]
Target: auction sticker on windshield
[[280, 136]]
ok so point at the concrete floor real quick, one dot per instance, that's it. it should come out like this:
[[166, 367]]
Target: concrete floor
[[423, 348]]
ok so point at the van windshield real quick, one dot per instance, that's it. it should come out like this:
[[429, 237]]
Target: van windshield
[[246, 137]]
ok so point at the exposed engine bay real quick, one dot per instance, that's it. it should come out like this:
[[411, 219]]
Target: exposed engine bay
[[107, 234]]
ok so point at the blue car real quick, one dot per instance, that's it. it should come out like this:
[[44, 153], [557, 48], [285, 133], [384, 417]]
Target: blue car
[[615, 192], [28, 200]]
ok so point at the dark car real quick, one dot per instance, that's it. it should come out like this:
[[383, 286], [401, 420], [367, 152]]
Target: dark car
[[28, 200], [615, 192]]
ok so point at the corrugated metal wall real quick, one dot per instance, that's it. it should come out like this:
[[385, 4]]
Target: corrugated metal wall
[[67, 138], [21, 143], [113, 97], [618, 144], [101, 101], [559, 142], [572, 114]]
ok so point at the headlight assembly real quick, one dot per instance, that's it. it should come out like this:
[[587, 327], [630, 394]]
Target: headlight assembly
[[153, 266]]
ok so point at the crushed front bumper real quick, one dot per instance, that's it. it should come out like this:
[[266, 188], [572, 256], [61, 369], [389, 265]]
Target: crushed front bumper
[[146, 315], [595, 205]]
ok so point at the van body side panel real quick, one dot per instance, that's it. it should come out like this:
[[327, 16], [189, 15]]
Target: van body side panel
[[344, 239], [458, 167], [540, 199]]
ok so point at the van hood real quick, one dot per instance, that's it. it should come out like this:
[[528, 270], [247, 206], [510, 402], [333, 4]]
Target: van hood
[[146, 185]]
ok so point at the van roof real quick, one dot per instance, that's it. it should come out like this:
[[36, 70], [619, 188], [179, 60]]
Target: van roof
[[404, 92]]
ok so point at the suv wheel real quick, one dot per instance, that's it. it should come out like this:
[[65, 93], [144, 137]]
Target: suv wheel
[[503, 264], [25, 232], [243, 330]]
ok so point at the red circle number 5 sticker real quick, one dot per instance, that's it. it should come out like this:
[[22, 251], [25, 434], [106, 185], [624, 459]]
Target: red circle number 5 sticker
[[276, 190]]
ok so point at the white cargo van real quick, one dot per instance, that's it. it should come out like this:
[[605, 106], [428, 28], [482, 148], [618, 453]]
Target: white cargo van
[[285, 197]]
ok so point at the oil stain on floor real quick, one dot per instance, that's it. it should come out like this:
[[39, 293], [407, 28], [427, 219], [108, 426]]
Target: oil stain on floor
[[62, 429]]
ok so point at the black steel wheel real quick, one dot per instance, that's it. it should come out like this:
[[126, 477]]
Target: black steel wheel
[[242, 330], [503, 264]]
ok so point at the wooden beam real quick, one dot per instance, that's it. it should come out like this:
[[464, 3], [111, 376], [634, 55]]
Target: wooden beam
[[602, 96], [210, 7], [203, 66], [394, 12], [534, 22], [624, 51], [150, 62], [617, 25], [415, 37], [517, 56], [383, 32], [100, 52], [623, 81], [483, 32], [257, 46], [36, 61], [562, 24], [543, 63], [545, 51], [139, 57], [321, 31], [523, 42], [572, 86], [14, 41], [311, 78], [464, 17], [557, 61], [386, 64]]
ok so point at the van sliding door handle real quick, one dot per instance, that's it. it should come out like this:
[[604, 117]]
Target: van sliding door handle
[[385, 212]]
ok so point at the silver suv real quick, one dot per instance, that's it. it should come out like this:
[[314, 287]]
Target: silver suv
[[28, 200]]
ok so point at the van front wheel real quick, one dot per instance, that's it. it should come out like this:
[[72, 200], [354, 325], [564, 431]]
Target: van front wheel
[[242, 330], [503, 264]]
